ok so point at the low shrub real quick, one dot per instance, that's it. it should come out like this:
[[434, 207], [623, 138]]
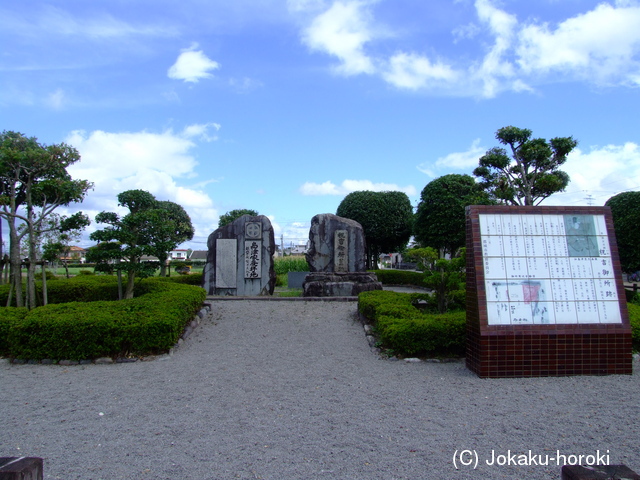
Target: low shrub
[[400, 277], [634, 321], [150, 323], [9, 317], [407, 330]]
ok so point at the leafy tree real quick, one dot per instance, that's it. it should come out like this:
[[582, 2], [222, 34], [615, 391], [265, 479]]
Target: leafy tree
[[60, 233], [425, 257], [440, 218], [173, 227], [447, 278], [529, 172], [127, 238], [625, 211], [229, 217], [386, 218], [151, 227], [33, 183]]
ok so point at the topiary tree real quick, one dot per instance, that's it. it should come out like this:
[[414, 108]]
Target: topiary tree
[[386, 218], [229, 217], [173, 227], [625, 211], [440, 218], [529, 172], [150, 228]]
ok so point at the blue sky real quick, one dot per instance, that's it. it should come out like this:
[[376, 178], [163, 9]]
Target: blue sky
[[285, 106]]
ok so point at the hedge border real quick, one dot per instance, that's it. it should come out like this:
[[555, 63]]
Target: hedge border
[[151, 323]]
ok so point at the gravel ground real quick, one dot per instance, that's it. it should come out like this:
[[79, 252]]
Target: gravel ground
[[291, 390]]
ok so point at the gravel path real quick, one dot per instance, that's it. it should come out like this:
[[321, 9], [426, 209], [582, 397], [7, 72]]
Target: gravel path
[[291, 390]]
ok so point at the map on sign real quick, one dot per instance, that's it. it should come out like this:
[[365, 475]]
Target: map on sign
[[548, 269]]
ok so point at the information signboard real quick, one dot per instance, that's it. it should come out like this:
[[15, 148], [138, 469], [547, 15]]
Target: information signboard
[[544, 292]]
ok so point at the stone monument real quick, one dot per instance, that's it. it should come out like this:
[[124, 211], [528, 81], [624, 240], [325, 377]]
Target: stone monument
[[240, 258], [336, 259]]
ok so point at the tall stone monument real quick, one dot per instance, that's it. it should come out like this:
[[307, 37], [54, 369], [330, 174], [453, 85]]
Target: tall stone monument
[[336, 259], [240, 258]]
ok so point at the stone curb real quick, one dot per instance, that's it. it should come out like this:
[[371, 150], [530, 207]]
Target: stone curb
[[188, 330], [283, 299]]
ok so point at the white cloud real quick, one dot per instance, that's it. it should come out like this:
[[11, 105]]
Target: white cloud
[[154, 162], [342, 31], [56, 21], [201, 131], [601, 44], [617, 167], [348, 186], [192, 65], [495, 66], [408, 70], [57, 99], [466, 160]]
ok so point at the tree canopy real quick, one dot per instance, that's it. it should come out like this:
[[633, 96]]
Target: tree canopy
[[529, 172], [386, 218], [229, 217], [440, 218], [151, 227], [625, 212], [33, 183]]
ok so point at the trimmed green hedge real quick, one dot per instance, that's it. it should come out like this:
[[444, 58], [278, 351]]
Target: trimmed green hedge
[[148, 324], [400, 277], [634, 321], [406, 330]]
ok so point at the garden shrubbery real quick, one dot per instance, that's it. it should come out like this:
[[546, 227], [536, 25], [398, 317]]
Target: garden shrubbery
[[407, 330], [93, 326], [634, 321]]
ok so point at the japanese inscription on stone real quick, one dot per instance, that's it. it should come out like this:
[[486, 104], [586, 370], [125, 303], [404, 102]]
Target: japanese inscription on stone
[[341, 247], [252, 259], [548, 269]]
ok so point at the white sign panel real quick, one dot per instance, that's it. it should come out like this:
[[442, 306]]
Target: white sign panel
[[548, 269]]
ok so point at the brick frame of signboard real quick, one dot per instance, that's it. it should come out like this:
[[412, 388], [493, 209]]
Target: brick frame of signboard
[[545, 295]]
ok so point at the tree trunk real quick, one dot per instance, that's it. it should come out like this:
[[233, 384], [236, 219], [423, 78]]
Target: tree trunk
[[163, 266], [131, 278], [31, 267], [15, 262], [45, 298]]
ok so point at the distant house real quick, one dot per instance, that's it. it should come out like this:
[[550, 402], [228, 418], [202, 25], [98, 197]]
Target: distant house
[[74, 255], [179, 254], [199, 255]]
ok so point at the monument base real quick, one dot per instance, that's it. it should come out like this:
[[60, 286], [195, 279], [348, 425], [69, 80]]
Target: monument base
[[320, 284]]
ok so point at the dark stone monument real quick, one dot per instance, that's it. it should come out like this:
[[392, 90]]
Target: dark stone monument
[[21, 468], [336, 259], [240, 258]]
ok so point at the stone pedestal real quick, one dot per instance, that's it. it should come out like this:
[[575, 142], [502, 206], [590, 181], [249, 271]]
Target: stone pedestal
[[21, 468], [321, 284]]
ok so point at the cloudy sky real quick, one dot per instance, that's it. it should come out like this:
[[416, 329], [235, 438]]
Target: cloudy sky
[[285, 106]]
